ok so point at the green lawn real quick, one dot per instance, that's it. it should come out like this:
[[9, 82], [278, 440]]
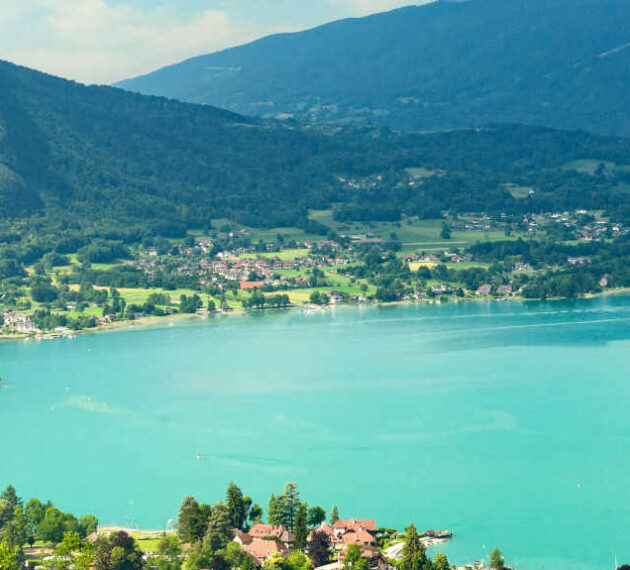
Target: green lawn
[[283, 255], [415, 234], [148, 544]]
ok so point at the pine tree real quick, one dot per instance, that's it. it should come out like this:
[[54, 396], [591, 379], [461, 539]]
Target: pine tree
[[440, 562], [235, 505], [413, 553], [497, 560], [301, 530], [190, 524], [334, 515], [290, 504], [219, 533], [274, 515]]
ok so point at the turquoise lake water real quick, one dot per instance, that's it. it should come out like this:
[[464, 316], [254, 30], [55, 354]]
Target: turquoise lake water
[[507, 423]]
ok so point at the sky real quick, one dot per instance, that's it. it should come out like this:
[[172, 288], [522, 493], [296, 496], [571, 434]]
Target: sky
[[103, 41]]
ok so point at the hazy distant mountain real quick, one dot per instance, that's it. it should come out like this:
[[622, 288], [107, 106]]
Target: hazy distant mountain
[[560, 63], [99, 156]]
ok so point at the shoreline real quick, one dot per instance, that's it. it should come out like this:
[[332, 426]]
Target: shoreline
[[152, 321]]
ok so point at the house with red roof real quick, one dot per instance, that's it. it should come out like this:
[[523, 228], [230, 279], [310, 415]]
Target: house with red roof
[[351, 531], [261, 549]]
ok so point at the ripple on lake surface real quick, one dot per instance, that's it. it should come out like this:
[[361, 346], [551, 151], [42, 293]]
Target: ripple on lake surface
[[505, 422]]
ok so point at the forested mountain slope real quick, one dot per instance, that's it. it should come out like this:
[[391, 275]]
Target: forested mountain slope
[[558, 63], [103, 157]]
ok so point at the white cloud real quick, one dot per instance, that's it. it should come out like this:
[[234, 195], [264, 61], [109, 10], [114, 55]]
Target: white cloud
[[91, 41], [95, 41], [364, 7]]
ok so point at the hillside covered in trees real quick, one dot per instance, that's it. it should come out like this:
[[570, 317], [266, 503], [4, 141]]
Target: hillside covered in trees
[[93, 159], [558, 63]]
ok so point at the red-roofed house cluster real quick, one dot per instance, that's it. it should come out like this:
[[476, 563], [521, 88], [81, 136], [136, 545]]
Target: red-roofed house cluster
[[352, 531], [264, 540]]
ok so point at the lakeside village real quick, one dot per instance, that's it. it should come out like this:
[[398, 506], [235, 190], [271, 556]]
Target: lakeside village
[[107, 284], [229, 535]]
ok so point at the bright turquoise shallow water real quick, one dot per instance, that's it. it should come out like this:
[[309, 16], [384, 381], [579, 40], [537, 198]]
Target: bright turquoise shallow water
[[507, 423]]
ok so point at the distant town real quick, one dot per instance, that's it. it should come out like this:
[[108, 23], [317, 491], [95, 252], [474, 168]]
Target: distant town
[[236, 269]]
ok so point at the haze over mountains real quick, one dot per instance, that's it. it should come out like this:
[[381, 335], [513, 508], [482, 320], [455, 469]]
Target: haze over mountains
[[558, 63]]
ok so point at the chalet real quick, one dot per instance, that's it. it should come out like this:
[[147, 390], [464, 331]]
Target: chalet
[[361, 537], [352, 531], [504, 290], [242, 537], [261, 549], [266, 531], [485, 289]]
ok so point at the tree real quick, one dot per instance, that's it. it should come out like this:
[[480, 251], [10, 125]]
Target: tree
[[301, 530], [87, 525], [235, 505], [283, 508], [413, 552], [290, 504], [219, 563], [54, 524], [34, 513], [118, 552], [319, 298], [219, 532], [255, 513], [440, 562], [10, 557], [189, 521], [10, 496], [248, 563], [353, 559], [446, 231], [275, 562], [247, 505], [297, 560], [273, 511], [234, 554], [497, 560], [73, 552], [169, 547], [334, 515], [315, 516], [199, 556], [15, 532], [319, 548]]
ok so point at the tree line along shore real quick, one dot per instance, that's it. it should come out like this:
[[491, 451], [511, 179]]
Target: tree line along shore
[[233, 534], [106, 283]]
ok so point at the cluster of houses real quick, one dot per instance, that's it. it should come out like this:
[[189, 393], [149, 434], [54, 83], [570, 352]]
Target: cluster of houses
[[262, 541], [238, 266], [18, 323]]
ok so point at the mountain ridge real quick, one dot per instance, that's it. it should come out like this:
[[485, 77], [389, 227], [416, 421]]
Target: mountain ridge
[[434, 66]]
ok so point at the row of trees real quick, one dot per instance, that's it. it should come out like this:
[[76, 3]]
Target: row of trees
[[22, 524]]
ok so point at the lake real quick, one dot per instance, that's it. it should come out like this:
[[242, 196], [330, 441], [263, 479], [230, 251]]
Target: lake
[[507, 423]]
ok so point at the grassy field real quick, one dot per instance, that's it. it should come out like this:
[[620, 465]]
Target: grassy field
[[266, 234], [415, 234], [415, 265], [148, 544], [284, 255]]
